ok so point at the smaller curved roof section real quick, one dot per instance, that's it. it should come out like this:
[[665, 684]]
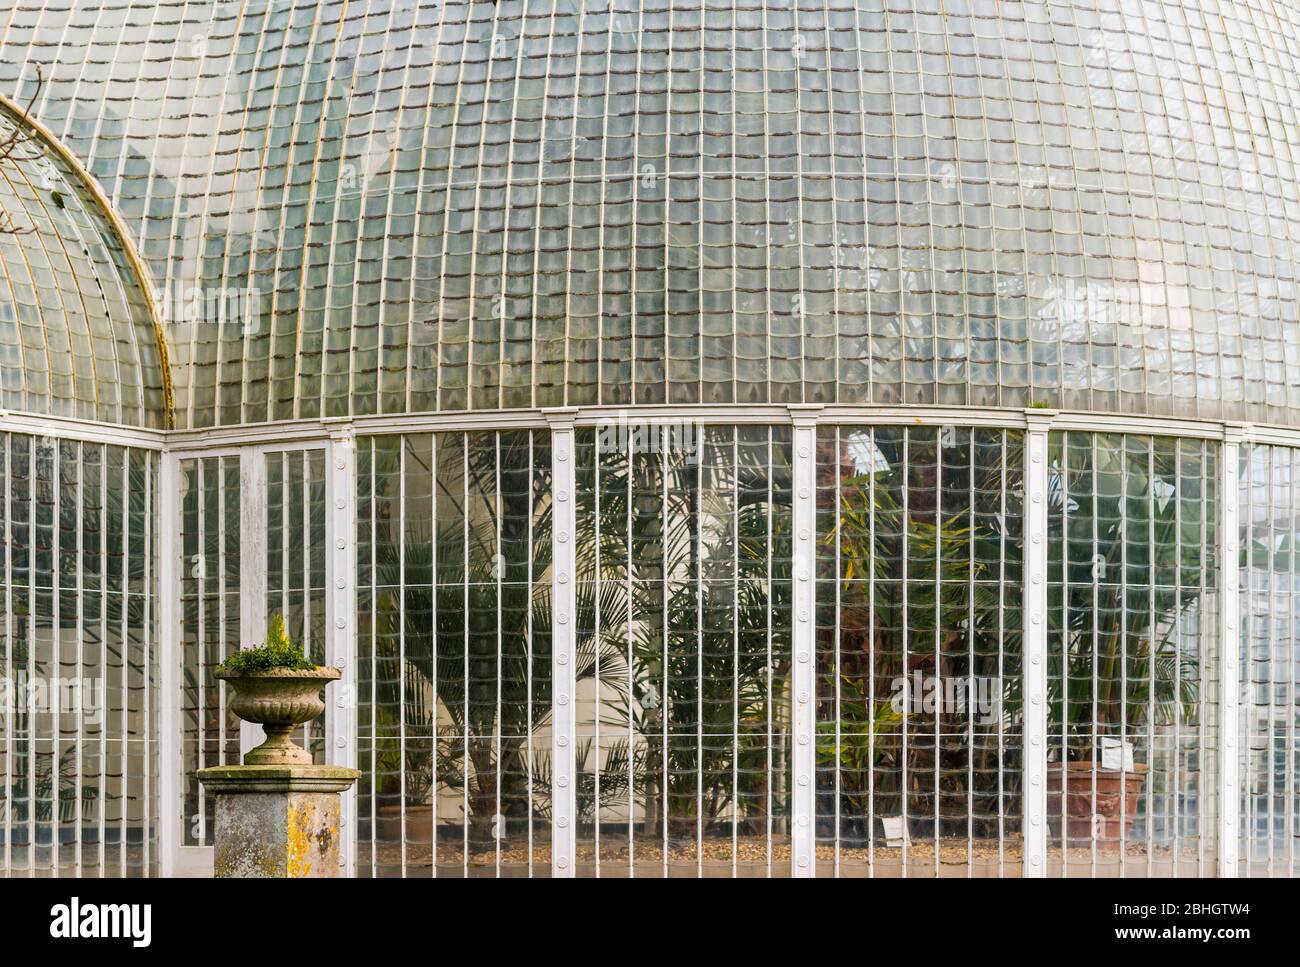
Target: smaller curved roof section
[[79, 334]]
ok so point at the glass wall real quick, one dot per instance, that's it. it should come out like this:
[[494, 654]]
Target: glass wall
[[1132, 688], [684, 637], [1270, 660], [454, 645], [78, 706], [918, 651], [210, 502]]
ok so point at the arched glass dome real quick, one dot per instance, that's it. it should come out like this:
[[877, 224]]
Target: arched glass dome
[[78, 336], [418, 207], [812, 434]]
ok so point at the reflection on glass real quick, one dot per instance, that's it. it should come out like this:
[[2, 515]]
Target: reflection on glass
[[210, 502], [1131, 632], [918, 651], [684, 626], [455, 686], [1270, 620], [78, 724]]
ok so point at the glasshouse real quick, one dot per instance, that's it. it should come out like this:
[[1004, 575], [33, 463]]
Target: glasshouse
[[731, 438]]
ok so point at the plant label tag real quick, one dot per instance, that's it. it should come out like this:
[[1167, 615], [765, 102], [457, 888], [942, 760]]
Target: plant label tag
[[1116, 754], [893, 828]]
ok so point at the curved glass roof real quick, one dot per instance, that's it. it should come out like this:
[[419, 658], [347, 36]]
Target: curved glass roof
[[77, 334], [366, 207]]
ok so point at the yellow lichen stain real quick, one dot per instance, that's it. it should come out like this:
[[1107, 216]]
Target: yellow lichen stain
[[301, 822]]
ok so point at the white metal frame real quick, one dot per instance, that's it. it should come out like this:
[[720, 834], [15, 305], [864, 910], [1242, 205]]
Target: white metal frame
[[804, 638], [336, 438], [1034, 723], [563, 640], [1229, 653], [175, 858]]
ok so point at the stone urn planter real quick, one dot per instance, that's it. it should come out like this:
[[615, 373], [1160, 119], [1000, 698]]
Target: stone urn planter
[[1086, 813], [279, 700]]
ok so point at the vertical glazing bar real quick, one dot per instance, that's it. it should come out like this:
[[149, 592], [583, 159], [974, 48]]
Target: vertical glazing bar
[[222, 571], [873, 449], [804, 637], [79, 745], [1229, 650], [836, 661], [698, 556], [56, 657], [402, 699], [1152, 632], [1273, 506], [467, 668], [340, 619], [529, 672], [1035, 645], [1202, 719], [147, 736], [7, 509], [170, 767], [1173, 805], [938, 640], [433, 640], [735, 647], [252, 566], [1289, 643], [563, 801], [596, 616], [770, 758], [1002, 638], [905, 521], [498, 820]]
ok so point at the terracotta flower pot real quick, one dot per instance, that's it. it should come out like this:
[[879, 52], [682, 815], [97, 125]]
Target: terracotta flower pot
[[1087, 816], [419, 823], [279, 700]]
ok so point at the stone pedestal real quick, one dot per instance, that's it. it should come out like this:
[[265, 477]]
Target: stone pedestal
[[276, 821]]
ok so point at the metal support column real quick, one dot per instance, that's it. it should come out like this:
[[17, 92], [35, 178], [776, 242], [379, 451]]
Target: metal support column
[[341, 617], [804, 717], [1038, 424], [1229, 650], [563, 640]]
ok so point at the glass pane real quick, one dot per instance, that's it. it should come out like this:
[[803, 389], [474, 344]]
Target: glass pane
[[1131, 642], [918, 651], [454, 747]]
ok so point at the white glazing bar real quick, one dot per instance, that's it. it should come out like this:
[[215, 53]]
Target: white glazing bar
[[340, 624], [79, 741], [803, 716], [252, 567], [6, 571], [1229, 651], [563, 684], [170, 766], [1035, 645]]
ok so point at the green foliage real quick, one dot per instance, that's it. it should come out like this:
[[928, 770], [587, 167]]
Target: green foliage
[[863, 740], [1121, 656], [279, 652]]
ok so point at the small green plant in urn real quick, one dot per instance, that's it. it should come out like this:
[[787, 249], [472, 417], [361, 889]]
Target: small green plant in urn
[[277, 687]]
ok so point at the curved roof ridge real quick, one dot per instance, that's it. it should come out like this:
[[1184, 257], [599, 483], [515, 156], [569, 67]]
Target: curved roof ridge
[[34, 129]]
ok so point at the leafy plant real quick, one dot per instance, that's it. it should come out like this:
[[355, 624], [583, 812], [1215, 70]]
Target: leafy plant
[[279, 652], [863, 746], [1119, 661], [921, 553]]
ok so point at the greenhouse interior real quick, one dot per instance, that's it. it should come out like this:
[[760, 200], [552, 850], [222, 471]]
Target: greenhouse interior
[[723, 438]]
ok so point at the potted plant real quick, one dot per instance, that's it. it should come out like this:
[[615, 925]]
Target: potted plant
[[277, 687], [1117, 666]]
